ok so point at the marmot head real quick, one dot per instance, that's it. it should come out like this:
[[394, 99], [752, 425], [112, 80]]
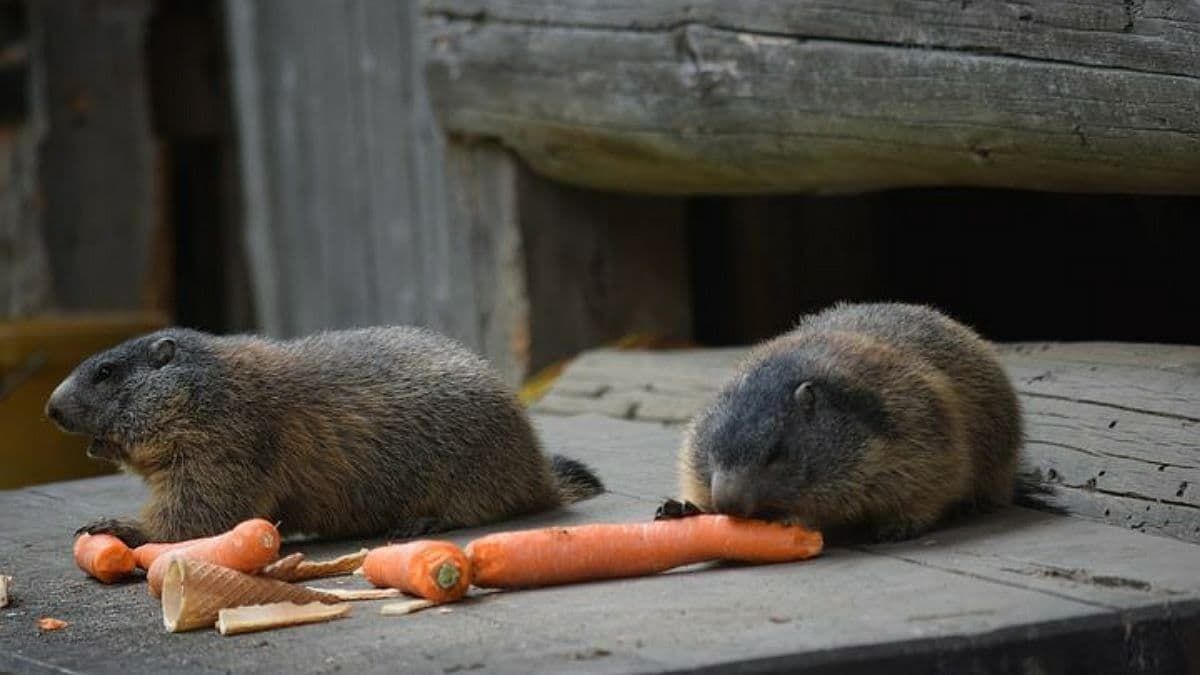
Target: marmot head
[[132, 393], [780, 432]]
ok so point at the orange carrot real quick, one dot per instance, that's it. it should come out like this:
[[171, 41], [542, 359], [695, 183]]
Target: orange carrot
[[434, 570], [146, 554], [561, 555], [246, 548], [103, 556]]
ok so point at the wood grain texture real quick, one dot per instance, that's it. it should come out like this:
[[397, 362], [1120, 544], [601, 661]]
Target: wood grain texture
[[357, 212], [24, 266], [1113, 428], [693, 97], [98, 163]]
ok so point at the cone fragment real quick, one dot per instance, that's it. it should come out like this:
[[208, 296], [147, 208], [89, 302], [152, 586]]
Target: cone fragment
[[359, 593], [296, 568], [194, 592], [235, 620], [5, 581], [406, 607]]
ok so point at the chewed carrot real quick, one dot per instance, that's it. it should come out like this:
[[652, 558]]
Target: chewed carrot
[[103, 556], [561, 555], [246, 548], [434, 570]]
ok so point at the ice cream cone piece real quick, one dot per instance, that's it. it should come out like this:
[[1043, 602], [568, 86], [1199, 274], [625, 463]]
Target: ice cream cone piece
[[194, 592], [406, 607], [283, 568], [296, 568], [360, 593], [235, 620]]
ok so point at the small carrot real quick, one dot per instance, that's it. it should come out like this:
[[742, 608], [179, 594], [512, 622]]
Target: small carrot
[[561, 555], [434, 570], [103, 556], [246, 548]]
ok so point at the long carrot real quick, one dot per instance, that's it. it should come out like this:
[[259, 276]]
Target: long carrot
[[146, 554], [246, 548], [561, 555], [103, 556], [434, 570]]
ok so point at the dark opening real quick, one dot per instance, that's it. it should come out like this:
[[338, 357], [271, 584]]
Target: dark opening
[[1015, 265]]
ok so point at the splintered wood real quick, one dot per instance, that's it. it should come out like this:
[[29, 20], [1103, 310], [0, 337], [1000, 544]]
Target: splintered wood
[[251, 618]]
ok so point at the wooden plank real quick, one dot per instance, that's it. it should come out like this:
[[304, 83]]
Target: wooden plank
[[24, 268], [98, 161], [601, 266], [1015, 588], [1113, 428], [709, 97]]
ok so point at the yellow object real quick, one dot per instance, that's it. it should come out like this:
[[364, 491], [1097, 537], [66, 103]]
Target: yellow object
[[35, 355]]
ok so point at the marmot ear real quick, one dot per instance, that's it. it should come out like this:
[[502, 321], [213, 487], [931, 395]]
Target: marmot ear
[[806, 397], [162, 351]]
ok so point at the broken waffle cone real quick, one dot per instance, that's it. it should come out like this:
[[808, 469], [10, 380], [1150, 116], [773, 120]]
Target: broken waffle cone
[[295, 568], [194, 592], [236, 620]]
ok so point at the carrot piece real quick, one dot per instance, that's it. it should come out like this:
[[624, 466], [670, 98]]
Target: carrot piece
[[434, 570], [146, 554], [246, 548], [103, 556], [561, 555]]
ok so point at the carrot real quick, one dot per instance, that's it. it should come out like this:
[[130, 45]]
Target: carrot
[[146, 554], [246, 548], [103, 556], [561, 555], [434, 570]]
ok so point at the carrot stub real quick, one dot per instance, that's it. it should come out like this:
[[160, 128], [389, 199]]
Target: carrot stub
[[434, 570], [103, 556], [561, 555], [246, 548]]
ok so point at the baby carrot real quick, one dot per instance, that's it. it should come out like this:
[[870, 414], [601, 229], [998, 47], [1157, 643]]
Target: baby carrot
[[561, 555], [246, 548], [434, 570], [103, 556]]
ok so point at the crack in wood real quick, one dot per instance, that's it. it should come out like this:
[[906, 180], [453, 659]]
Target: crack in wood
[[1105, 404], [667, 28]]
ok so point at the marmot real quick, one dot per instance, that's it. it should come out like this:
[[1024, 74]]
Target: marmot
[[875, 417], [396, 430]]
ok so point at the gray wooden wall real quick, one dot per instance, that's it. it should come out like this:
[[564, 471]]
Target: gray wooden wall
[[357, 209]]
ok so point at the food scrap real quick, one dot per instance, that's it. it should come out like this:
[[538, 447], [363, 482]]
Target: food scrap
[[251, 618], [49, 623]]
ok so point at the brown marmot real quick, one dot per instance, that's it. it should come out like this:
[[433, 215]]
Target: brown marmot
[[877, 417], [397, 431]]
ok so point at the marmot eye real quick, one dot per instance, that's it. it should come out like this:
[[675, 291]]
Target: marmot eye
[[102, 373]]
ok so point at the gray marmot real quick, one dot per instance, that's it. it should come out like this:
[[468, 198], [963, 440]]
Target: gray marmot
[[347, 433], [877, 417]]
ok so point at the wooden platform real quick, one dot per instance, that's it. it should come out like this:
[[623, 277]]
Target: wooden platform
[[1019, 591], [1113, 428]]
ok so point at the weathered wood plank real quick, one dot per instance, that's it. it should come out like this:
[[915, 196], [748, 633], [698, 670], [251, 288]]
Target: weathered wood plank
[[601, 266], [24, 267], [98, 163], [711, 97], [1113, 429], [995, 594]]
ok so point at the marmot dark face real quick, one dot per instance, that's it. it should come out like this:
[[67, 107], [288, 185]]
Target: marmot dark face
[[778, 430], [102, 398]]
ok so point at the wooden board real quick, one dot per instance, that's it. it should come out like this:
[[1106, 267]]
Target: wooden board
[[766, 97], [995, 595], [1113, 428], [98, 163]]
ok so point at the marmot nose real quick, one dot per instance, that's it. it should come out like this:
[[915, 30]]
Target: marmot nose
[[732, 495]]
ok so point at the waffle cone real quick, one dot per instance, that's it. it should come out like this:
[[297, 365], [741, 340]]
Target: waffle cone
[[194, 592]]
